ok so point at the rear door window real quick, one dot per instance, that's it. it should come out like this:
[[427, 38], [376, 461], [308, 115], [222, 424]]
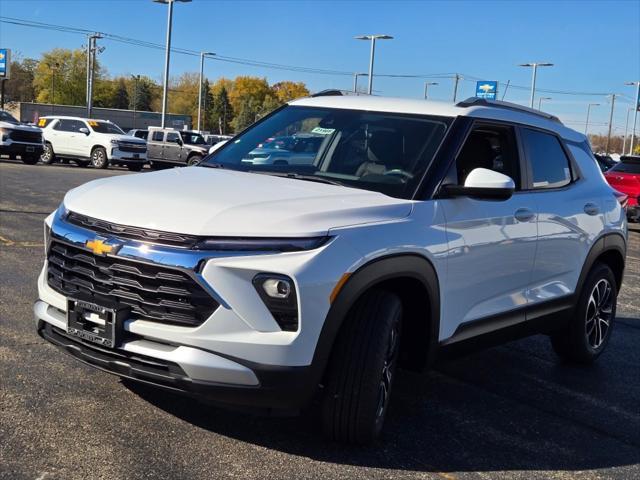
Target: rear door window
[[157, 136], [550, 166]]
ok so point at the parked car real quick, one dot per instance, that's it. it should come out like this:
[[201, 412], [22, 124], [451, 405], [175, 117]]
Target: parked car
[[298, 149], [138, 133], [419, 228], [168, 146], [605, 162], [625, 177], [211, 139], [90, 142], [17, 139]]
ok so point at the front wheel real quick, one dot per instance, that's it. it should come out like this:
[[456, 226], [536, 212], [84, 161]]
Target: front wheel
[[47, 157], [362, 369], [194, 160], [99, 158], [588, 332]]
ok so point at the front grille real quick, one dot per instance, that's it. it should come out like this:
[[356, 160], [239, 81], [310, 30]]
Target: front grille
[[24, 136], [132, 147], [153, 292], [134, 233]]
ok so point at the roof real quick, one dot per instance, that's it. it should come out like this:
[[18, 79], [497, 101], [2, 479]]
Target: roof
[[67, 117], [487, 110]]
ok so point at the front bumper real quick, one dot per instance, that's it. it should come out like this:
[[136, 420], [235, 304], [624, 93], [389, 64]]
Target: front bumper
[[21, 148], [117, 155]]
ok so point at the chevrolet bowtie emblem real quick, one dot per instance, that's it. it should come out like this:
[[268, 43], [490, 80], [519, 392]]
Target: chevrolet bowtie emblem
[[98, 247]]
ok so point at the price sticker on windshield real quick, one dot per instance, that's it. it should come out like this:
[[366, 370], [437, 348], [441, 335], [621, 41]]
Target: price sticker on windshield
[[323, 131], [42, 122], [92, 123]]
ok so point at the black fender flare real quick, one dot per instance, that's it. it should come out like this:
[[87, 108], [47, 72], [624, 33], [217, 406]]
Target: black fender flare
[[608, 242], [376, 271]]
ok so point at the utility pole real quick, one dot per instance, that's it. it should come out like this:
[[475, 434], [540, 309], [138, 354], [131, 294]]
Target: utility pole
[[93, 51], [426, 88], [136, 79], [2, 94], [613, 103], [54, 69], [635, 115], [86, 95], [586, 125], [456, 79], [626, 129]]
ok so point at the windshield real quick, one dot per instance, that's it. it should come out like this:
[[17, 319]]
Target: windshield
[[105, 127], [6, 117], [192, 138], [385, 152], [626, 167]]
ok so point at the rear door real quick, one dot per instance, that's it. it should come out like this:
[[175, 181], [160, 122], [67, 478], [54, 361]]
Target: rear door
[[155, 144], [491, 243], [64, 136]]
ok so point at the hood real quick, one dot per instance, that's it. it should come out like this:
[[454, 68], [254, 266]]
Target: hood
[[216, 202], [127, 138], [19, 126], [203, 148]]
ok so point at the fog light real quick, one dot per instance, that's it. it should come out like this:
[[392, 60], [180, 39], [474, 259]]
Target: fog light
[[277, 287]]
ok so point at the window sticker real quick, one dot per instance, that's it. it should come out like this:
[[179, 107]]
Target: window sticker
[[42, 122], [92, 123], [323, 131]]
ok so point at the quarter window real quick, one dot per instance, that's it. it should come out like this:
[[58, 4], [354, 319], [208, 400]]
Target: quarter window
[[549, 164]]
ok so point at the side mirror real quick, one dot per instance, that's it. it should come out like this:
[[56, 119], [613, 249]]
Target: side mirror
[[84, 130], [217, 146], [483, 183]]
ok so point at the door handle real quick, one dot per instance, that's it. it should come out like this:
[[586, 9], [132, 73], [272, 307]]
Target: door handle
[[591, 209], [524, 215]]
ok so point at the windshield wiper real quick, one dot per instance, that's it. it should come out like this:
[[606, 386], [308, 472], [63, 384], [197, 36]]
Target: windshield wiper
[[211, 165], [299, 176]]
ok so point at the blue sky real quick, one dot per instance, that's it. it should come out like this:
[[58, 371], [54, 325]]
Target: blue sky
[[595, 45]]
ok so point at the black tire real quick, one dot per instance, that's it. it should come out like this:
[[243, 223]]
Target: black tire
[[589, 330], [155, 166], [48, 156], [194, 160], [29, 159], [135, 167], [362, 368], [99, 158], [82, 163]]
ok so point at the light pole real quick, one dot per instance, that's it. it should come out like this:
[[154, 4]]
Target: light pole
[[426, 88], [540, 101], [613, 103], [535, 66], [93, 51], [373, 39], [136, 79], [635, 115], [165, 86], [355, 81], [202, 55], [626, 129], [54, 69], [586, 125]]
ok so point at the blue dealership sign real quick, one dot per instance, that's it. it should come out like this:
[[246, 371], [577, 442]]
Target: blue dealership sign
[[488, 90], [5, 60]]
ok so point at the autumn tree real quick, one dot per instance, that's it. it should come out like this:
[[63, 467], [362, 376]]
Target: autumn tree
[[221, 111], [248, 88], [287, 91], [141, 92]]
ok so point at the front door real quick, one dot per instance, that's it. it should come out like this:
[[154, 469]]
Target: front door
[[491, 243], [172, 148]]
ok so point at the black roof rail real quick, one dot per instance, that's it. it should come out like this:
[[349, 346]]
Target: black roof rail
[[483, 102], [331, 92]]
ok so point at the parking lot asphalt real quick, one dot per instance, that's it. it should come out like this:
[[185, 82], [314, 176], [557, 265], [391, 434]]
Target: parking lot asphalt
[[512, 411]]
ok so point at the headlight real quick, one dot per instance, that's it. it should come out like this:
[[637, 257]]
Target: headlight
[[278, 293], [4, 133], [115, 142], [261, 244]]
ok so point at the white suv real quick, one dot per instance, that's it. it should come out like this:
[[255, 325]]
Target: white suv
[[95, 142], [420, 227]]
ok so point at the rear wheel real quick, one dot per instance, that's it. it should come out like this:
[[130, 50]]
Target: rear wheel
[[99, 158], [29, 159], [362, 369], [588, 332], [47, 157]]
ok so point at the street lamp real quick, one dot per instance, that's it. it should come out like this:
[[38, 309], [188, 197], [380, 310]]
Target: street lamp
[[54, 68], [355, 80], [202, 55], [373, 39], [635, 115], [426, 88], [540, 101], [165, 86], [626, 129], [136, 79], [586, 125], [535, 66]]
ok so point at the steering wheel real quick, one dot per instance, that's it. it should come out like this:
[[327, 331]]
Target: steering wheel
[[399, 172]]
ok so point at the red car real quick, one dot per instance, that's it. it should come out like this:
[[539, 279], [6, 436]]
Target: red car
[[625, 177]]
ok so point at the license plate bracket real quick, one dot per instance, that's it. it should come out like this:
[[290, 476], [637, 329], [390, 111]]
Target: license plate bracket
[[96, 323], [30, 149]]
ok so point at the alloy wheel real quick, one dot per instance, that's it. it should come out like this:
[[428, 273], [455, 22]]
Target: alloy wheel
[[387, 371], [599, 313]]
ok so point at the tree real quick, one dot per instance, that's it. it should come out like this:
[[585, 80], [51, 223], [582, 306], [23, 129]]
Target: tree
[[121, 96], [269, 104], [248, 113], [19, 88], [61, 76], [287, 91], [142, 95], [221, 111], [183, 95], [245, 88], [207, 107]]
